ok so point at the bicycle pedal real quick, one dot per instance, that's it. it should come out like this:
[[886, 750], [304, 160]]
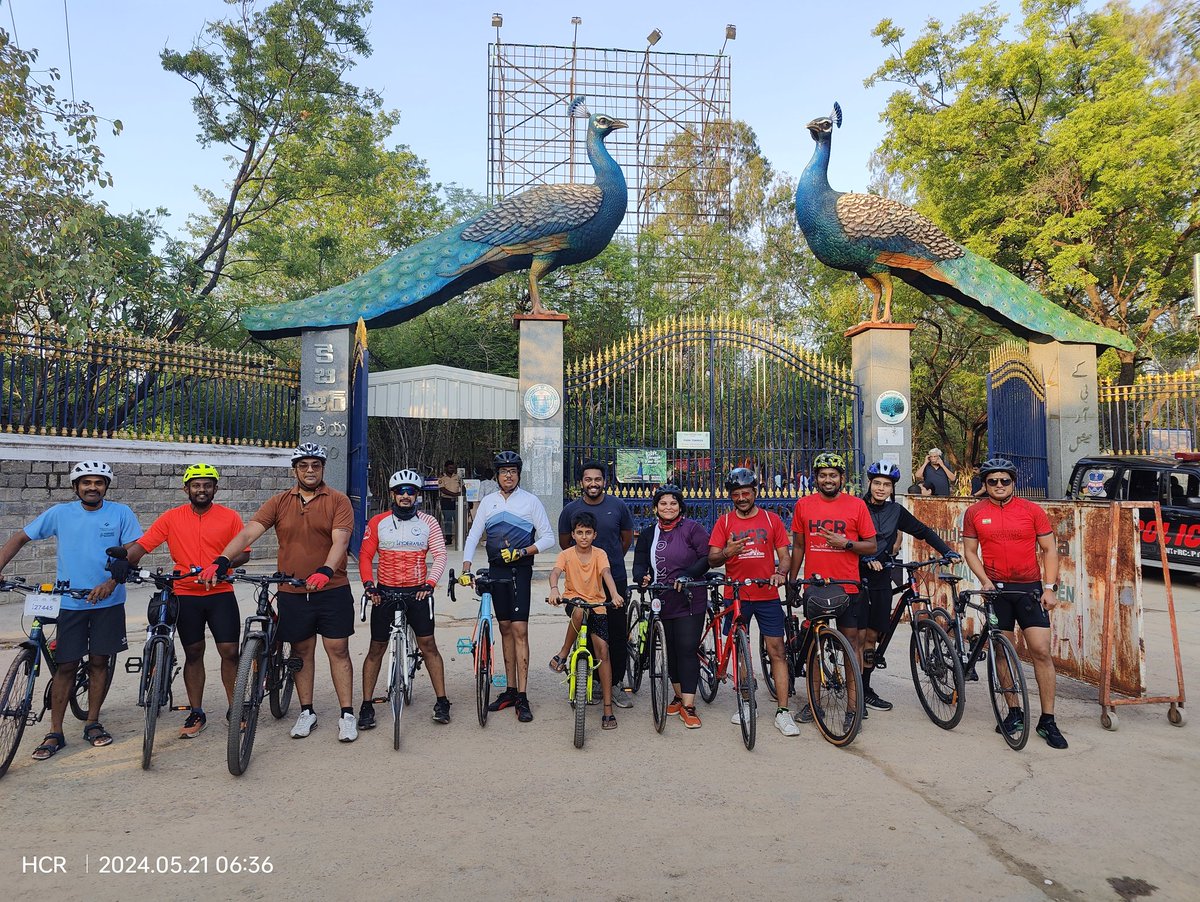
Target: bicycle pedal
[[880, 663], [181, 707], [380, 700], [500, 681], [293, 665], [133, 665], [465, 646]]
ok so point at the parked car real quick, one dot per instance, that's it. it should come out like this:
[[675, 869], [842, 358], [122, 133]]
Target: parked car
[[1172, 481]]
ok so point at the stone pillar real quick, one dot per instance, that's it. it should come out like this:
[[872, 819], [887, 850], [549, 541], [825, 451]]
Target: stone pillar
[[881, 363], [1072, 410], [540, 384], [325, 364]]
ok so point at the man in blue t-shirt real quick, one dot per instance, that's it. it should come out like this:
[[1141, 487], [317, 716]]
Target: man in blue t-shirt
[[95, 625], [614, 534]]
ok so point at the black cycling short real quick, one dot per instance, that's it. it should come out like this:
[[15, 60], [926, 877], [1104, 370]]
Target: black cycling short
[[95, 631], [219, 612], [419, 613], [857, 613], [1022, 607], [879, 604], [329, 613], [510, 605], [597, 621]]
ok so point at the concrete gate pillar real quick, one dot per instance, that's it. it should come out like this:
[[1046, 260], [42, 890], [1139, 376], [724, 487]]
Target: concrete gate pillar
[[325, 364], [1072, 409], [881, 363], [540, 383]]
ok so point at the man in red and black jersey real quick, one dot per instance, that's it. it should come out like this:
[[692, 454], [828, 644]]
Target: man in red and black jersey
[[1002, 535]]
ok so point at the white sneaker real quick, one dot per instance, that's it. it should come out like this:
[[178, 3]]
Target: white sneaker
[[305, 724], [785, 724], [347, 728], [737, 718]]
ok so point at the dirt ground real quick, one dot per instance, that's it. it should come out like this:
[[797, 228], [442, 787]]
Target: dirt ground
[[514, 811]]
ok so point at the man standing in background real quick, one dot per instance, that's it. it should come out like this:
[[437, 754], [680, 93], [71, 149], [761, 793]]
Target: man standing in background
[[450, 487]]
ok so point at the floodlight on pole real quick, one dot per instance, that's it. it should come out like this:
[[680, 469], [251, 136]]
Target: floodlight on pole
[[730, 34], [497, 20], [654, 37]]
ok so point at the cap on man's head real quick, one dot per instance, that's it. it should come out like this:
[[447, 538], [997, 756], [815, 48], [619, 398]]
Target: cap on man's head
[[937, 451]]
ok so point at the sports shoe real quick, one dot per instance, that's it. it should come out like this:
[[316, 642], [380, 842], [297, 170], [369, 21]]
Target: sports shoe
[[1013, 721], [622, 699], [675, 707], [1050, 732], [848, 721], [305, 724], [524, 714], [785, 724], [806, 715], [366, 716], [737, 717], [347, 728], [441, 711], [505, 699], [875, 701], [194, 725], [688, 716]]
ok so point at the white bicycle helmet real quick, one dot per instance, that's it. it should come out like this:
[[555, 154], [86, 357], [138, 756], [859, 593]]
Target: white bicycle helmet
[[308, 449], [91, 468], [406, 477]]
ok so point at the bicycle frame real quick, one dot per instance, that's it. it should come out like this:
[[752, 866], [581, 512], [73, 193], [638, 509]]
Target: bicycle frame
[[909, 596], [721, 621]]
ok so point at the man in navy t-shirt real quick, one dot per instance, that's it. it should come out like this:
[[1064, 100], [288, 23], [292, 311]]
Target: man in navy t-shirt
[[93, 626]]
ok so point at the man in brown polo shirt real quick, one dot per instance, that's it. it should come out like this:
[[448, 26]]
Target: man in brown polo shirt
[[313, 523]]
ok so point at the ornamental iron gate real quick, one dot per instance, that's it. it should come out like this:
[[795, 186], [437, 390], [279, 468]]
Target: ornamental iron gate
[[689, 399], [1016, 409]]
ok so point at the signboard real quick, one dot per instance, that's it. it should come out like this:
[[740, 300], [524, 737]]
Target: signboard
[[639, 465], [698, 441], [325, 397], [471, 488], [891, 436]]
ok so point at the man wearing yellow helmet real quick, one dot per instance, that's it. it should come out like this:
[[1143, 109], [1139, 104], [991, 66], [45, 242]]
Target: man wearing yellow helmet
[[195, 533]]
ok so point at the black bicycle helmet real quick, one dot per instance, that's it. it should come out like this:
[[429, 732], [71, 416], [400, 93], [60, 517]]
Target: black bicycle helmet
[[885, 469], [668, 489], [741, 478], [508, 459], [997, 465]]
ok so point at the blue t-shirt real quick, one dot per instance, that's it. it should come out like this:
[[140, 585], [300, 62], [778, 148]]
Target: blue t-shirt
[[82, 537], [612, 516]]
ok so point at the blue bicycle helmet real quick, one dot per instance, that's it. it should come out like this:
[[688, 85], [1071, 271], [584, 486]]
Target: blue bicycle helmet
[[885, 469]]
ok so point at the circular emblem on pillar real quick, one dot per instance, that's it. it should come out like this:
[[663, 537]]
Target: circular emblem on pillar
[[891, 407], [541, 401]]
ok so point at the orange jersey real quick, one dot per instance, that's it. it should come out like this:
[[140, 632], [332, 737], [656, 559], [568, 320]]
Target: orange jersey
[[402, 546], [194, 540]]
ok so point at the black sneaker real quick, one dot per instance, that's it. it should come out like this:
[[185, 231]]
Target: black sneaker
[[875, 701], [441, 711], [523, 713], [505, 699], [366, 716], [1050, 732], [1014, 721]]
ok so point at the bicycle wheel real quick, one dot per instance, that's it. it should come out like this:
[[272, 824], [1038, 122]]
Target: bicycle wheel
[[483, 672], [412, 661], [156, 668], [765, 660], [635, 647], [398, 691], [79, 696], [15, 693], [660, 680], [247, 698], [768, 674], [579, 697], [708, 661], [937, 674], [834, 687], [283, 680], [747, 704], [1007, 689]]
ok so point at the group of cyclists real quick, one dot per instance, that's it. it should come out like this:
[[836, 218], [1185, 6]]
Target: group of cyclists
[[1008, 545]]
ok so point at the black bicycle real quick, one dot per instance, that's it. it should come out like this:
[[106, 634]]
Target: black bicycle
[[266, 669], [937, 671], [42, 602], [648, 644]]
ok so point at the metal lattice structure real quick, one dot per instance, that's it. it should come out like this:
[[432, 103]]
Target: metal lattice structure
[[675, 153]]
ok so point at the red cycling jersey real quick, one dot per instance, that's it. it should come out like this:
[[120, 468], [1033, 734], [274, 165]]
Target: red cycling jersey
[[844, 514], [765, 532], [193, 540], [1008, 535], [402, 546]]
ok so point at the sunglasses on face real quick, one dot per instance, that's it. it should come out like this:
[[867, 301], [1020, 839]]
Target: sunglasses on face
[[405, 490], [310, 465], [1004, 481]]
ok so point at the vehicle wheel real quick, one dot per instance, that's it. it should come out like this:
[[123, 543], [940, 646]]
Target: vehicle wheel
[[1108, 720], [1003, 657], [834, 687], [708, 660], [247, 698], [412, 661], [765, 659], [15, 695], [156, 669], [283, 679], [747, 702], [937, 674], [635, 657], [1175, 715], [579, 697], [942, 618], [399, 693], [79, 697], [660, 681], [483, 672]]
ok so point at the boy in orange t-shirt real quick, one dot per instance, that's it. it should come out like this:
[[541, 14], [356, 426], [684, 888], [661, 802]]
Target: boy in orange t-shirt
[[588, 574]]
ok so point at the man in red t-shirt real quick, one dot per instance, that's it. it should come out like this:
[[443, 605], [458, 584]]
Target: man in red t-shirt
[[830, 532], [748, 541], [195, 533], [1002, 535]]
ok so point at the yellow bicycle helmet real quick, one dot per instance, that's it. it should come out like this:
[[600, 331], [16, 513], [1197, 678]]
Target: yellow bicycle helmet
[[200, 471]]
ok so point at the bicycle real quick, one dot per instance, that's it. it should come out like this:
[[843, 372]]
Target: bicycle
[[42, 602], [157, 664], [581, 666], [265, 668], [482, 643], [816, 650], [651, 650], [1005, 682], [937, 671], [716, 657], [404, 657]]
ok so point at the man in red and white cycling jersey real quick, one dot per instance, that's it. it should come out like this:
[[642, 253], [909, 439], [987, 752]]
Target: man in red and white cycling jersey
[[403, 537]]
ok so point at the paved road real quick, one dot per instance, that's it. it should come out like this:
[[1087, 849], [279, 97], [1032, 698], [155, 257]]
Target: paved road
[[514, 811]]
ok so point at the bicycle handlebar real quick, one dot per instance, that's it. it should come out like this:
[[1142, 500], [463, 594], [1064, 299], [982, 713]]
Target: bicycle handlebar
[[817, 580], [580, 603], [944, 561], [276, 578], [474, 578], [389, 595], [161, 580]]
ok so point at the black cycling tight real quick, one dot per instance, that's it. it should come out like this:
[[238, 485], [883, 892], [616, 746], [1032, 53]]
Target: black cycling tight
[[683, 638]]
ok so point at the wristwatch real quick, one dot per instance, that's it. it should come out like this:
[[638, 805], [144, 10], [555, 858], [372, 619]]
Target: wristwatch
[[1053, 587]]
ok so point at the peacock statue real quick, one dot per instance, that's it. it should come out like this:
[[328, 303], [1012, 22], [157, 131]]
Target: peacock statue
[[540, 229], [876, 238]]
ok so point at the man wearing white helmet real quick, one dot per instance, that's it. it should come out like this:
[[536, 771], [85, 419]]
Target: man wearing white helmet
[[403, 537], [94, 626]]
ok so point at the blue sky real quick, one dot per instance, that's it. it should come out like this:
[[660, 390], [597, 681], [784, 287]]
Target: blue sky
[[789, 62]]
